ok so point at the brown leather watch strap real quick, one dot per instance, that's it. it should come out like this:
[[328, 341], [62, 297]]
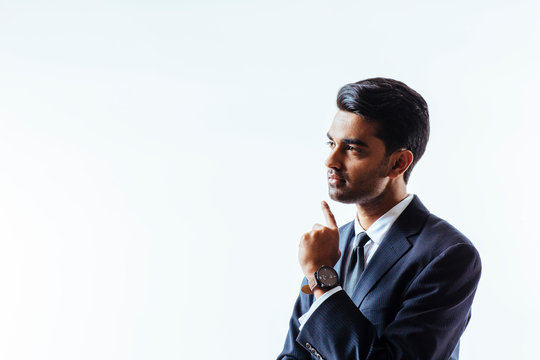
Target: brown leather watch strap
[[311, 285]]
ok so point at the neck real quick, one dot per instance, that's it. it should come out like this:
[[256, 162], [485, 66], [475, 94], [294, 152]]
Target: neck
[[373, 209]]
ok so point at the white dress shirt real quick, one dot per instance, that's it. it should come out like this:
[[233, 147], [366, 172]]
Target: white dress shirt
[[376, 232]]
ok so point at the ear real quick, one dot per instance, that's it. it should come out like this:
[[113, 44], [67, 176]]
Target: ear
[[400, 161]]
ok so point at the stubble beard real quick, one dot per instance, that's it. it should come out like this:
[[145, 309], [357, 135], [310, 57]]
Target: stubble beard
[[349, 196], [342, 196]]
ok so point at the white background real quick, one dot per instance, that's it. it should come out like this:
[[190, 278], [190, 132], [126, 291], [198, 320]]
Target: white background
[[159, 161]]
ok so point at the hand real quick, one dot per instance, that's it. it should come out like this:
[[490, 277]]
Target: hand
[[320, 246]]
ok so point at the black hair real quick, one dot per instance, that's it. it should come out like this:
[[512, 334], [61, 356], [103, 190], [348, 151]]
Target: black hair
[[400, 114]]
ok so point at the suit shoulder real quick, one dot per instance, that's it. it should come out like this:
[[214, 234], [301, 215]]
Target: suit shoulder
[[435, 225], [442, 235], [439, 240]]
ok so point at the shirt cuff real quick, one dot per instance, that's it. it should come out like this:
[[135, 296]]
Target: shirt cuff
[[304, 318]]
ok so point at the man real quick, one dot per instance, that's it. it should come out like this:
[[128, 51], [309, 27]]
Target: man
[[397, 282]]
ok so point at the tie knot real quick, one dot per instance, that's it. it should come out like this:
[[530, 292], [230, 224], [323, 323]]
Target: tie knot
[[362, 239]]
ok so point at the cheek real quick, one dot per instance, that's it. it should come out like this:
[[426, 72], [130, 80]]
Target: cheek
[[365, 170], [361, 177], [383, 169], [372, 175]]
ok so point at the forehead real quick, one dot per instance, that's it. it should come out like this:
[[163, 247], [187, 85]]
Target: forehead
[[347, 125]]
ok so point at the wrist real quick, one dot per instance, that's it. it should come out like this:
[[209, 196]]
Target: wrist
[[318, 292], [310, 270]]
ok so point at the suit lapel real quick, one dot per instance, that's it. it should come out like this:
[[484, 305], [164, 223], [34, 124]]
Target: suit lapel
[[392, 248], [394, 245]]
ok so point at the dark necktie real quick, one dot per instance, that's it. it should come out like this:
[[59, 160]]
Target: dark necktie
[[356, 263]]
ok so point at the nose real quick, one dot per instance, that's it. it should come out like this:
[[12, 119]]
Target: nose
[[334, 161]]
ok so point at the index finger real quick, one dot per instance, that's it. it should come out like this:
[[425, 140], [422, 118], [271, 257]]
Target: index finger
[[328, 216]]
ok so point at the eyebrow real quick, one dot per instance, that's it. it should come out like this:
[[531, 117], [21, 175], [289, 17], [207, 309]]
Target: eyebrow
[[350, 141]]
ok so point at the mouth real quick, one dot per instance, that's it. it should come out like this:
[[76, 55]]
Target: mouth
[[335, 180]]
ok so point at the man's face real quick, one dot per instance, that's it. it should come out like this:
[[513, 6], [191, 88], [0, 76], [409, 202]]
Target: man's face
[[357, 164]]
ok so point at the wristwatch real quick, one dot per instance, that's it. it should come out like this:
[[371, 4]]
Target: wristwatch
[[326, 278]]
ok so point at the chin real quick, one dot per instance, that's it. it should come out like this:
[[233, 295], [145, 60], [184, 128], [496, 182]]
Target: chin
[[341, 196]]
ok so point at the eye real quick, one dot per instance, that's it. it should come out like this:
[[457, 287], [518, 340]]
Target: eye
[[350, 147], [330, 143]]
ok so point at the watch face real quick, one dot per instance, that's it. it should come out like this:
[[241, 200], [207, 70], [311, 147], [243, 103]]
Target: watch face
[[327, 276]]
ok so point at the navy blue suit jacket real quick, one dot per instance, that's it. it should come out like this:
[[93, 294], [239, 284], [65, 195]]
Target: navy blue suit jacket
[[412, 301]]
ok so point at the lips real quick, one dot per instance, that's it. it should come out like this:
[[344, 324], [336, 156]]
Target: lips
[[335, 180]]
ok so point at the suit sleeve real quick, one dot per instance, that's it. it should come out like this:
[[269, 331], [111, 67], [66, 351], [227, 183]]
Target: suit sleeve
[[292, 350], [434, 312]]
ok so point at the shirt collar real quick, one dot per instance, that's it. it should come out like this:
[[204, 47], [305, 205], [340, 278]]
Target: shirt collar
[[380, 227]]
